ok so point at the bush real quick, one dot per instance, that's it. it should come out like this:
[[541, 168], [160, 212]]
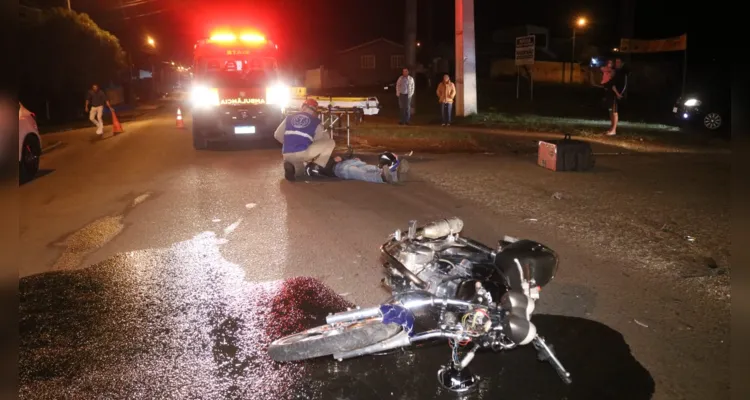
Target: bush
[[62, 53]]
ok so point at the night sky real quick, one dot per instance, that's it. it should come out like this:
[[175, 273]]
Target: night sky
[[310, 28]]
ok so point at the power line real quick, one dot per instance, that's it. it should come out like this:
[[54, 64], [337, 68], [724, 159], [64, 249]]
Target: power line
[[135, 3]]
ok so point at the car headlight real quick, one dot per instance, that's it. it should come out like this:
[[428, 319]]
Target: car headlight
[[202, 96], [278, 95], [692, 103]]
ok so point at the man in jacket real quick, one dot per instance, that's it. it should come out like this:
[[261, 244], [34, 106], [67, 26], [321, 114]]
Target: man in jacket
[[446, 92], [304, 142], [404, 92]]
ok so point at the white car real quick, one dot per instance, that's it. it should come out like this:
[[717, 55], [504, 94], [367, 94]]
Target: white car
[[29, 144]]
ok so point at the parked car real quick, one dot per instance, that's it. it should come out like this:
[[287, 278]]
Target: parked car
[[704, 108], [29, 144]]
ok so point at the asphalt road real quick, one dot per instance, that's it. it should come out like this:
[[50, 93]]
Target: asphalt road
[[150, 270]]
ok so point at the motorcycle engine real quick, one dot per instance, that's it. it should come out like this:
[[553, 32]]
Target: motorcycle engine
[[425, 259]]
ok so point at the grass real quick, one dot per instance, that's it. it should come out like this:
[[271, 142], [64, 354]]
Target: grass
[[575, 110], [577, 126], [627, 130]]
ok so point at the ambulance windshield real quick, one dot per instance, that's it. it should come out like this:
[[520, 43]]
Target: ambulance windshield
[[237, 71]]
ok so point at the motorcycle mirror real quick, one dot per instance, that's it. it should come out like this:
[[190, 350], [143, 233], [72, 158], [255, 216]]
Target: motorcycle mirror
[[412, 229]]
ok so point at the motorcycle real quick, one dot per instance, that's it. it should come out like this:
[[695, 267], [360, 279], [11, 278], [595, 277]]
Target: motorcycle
[[477, 295]]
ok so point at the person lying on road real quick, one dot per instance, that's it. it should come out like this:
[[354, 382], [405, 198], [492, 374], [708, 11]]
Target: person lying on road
[[306, 147], [389, 169]]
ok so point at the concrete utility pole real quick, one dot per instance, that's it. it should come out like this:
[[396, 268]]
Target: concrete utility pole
[[410, 35], [466, 61]]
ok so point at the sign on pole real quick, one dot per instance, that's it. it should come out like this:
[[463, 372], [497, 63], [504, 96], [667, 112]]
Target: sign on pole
[[525, 50], [525, 53]]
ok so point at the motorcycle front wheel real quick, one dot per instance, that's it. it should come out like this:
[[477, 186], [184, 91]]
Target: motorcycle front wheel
[[327, 339]]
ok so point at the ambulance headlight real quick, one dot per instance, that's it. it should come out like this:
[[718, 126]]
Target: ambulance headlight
[[203, 96], [279, 95]]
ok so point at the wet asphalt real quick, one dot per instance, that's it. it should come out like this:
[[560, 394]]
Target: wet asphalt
[[150, 270]]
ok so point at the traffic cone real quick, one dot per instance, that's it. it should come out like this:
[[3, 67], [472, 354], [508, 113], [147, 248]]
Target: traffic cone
[[116, 127], [180, 123]]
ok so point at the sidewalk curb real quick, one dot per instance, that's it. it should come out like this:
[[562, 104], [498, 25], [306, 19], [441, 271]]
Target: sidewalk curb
[[47, 149], [637, 147]]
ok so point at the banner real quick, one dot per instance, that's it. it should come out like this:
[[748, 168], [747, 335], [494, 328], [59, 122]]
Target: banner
[[678, 43]]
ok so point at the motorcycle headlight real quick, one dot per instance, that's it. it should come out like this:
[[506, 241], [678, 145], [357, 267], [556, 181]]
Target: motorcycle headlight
[[202, 96], [278, 95], [692, 102]]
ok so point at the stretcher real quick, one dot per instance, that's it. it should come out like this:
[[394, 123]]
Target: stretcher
[[338, 113]]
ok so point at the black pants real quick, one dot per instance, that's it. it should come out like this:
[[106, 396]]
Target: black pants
[[612, 102]]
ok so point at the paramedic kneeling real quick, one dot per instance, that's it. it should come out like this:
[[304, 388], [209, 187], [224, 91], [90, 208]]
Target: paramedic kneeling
[[304, 142]]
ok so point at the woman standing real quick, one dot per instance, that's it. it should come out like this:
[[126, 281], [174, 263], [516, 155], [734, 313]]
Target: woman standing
[[446, 92]]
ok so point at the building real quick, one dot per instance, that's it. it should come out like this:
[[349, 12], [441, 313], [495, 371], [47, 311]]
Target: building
[[376, 62]]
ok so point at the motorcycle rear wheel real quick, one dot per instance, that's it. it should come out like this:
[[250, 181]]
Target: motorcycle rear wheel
[[326, 339]]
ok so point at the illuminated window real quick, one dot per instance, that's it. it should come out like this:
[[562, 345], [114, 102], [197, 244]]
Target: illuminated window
[[367, 62], [397, 61]]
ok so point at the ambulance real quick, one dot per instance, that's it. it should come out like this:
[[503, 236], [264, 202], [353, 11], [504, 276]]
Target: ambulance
[[237, 92]]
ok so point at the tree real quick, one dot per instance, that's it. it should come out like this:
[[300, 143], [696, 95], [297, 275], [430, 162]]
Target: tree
[[62, 53]]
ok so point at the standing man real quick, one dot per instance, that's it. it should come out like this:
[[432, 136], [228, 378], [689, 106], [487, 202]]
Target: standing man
[[404, 92], [304, 141], [446, 92], [616, 91], [95, 101]]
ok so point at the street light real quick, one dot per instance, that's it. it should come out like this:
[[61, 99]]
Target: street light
[[151, 41], [580, 23]]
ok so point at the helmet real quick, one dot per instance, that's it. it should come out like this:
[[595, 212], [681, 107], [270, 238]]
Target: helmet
[[388, 159], [312, 103]]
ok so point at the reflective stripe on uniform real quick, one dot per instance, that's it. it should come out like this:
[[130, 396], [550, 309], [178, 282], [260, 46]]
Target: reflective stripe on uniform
[[299, 133]]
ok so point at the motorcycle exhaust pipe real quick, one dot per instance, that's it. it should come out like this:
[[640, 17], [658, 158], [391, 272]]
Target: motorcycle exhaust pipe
[[353, 315], [401, 339]]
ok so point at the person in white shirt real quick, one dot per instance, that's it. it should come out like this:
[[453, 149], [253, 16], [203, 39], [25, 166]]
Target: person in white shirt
[[404, 92]]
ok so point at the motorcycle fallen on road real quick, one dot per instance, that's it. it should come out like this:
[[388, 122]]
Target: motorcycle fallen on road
[[481, 298]]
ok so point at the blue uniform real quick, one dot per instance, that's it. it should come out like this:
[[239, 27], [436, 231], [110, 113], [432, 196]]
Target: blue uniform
[[299, 132]]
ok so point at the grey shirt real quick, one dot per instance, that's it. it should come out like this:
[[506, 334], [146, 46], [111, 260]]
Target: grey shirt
[[96, 99]]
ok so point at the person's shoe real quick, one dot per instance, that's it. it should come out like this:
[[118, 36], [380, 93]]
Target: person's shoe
[[388, 175], [289, 172], [402, 167], [448, 124], [611, 133], [442, 124]]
